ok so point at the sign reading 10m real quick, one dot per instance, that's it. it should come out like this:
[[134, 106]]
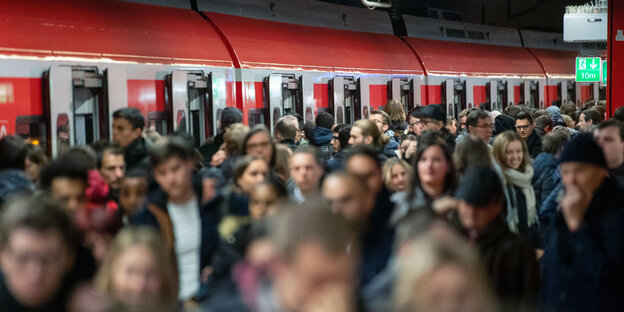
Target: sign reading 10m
[[588, 69]]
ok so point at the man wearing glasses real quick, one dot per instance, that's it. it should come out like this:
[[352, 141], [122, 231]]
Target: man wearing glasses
[[524, 127], [480, 124], [416, 126]]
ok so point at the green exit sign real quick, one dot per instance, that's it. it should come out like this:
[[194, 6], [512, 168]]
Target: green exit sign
[[604, 72], [588, 69]]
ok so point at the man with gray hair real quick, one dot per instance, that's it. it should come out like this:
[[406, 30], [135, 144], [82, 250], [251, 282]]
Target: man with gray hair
[[286, 131]]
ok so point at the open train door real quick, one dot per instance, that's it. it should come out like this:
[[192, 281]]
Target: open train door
[[285, 96], [453, 96], [498, 94], [351, 100], [530, 93], [218, 103], [191, 100], [567, 91], [402, 89], [116, 84], [78, 111], [365, 108], [336, 99]]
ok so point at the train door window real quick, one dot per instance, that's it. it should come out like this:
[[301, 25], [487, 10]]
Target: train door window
[[191, 105], [89, 107], [63, 133], [602, 93]]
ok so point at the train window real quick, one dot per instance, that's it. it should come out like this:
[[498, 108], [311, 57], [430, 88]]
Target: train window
[[571, 92], [476, 35], [455, 33], [33, 129]]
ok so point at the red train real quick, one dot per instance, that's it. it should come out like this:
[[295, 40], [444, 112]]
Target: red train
[[66, 65]]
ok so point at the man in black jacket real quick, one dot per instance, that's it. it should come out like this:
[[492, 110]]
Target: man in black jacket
[[526, 129], [229, 116], [582, 264], [128, 126], [509, 259]]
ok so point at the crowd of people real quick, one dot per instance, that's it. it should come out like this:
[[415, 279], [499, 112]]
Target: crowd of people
[[513, 210]]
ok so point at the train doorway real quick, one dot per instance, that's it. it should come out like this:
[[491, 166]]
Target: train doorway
[[191, 101], [86, 120], [344, 98], [453, 96], [285, 96], [497, 94], [530, 94], [402, 89]]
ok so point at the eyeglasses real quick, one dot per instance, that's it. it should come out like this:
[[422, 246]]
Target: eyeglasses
[[377, 121], [486, 126], [416, 123]]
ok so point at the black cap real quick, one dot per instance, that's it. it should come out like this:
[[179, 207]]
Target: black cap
[[479, 186], [230, 115], [434, 111], [583, 148]]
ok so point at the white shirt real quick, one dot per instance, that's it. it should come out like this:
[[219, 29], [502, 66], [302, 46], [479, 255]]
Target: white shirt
[[187, 231]]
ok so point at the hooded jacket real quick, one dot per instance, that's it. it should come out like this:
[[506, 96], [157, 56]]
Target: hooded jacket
[[321, 136], [543, 181]]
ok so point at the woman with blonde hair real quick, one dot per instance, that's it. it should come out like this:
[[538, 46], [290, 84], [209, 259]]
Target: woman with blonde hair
[[396, 174], [512, 157], [139, 273]]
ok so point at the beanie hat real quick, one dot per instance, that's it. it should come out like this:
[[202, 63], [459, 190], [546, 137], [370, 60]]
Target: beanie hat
[[230, 115], [434, 111], [479, 186], [582, 148]]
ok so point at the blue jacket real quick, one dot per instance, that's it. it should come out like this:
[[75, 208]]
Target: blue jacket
[[14, 182], [582, 270], [377, 239], [543, 180], [321, 136], [390, 149], [154, 213]]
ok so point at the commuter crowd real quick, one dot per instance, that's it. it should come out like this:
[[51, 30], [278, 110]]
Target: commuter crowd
[[513, 210]]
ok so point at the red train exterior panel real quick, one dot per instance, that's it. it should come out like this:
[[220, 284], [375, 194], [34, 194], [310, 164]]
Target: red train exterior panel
[[275, 45]]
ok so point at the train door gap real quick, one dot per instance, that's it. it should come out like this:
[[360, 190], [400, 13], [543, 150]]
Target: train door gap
[[351, 100], [496, 94]]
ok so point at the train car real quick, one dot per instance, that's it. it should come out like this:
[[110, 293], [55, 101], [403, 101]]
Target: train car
[[63, 74], [308, 57]]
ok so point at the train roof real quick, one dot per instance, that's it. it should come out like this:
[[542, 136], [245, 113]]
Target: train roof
[[108, 29], [276, 45]]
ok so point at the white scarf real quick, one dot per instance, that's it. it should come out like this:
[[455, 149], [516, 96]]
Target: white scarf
[[523, 181]]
